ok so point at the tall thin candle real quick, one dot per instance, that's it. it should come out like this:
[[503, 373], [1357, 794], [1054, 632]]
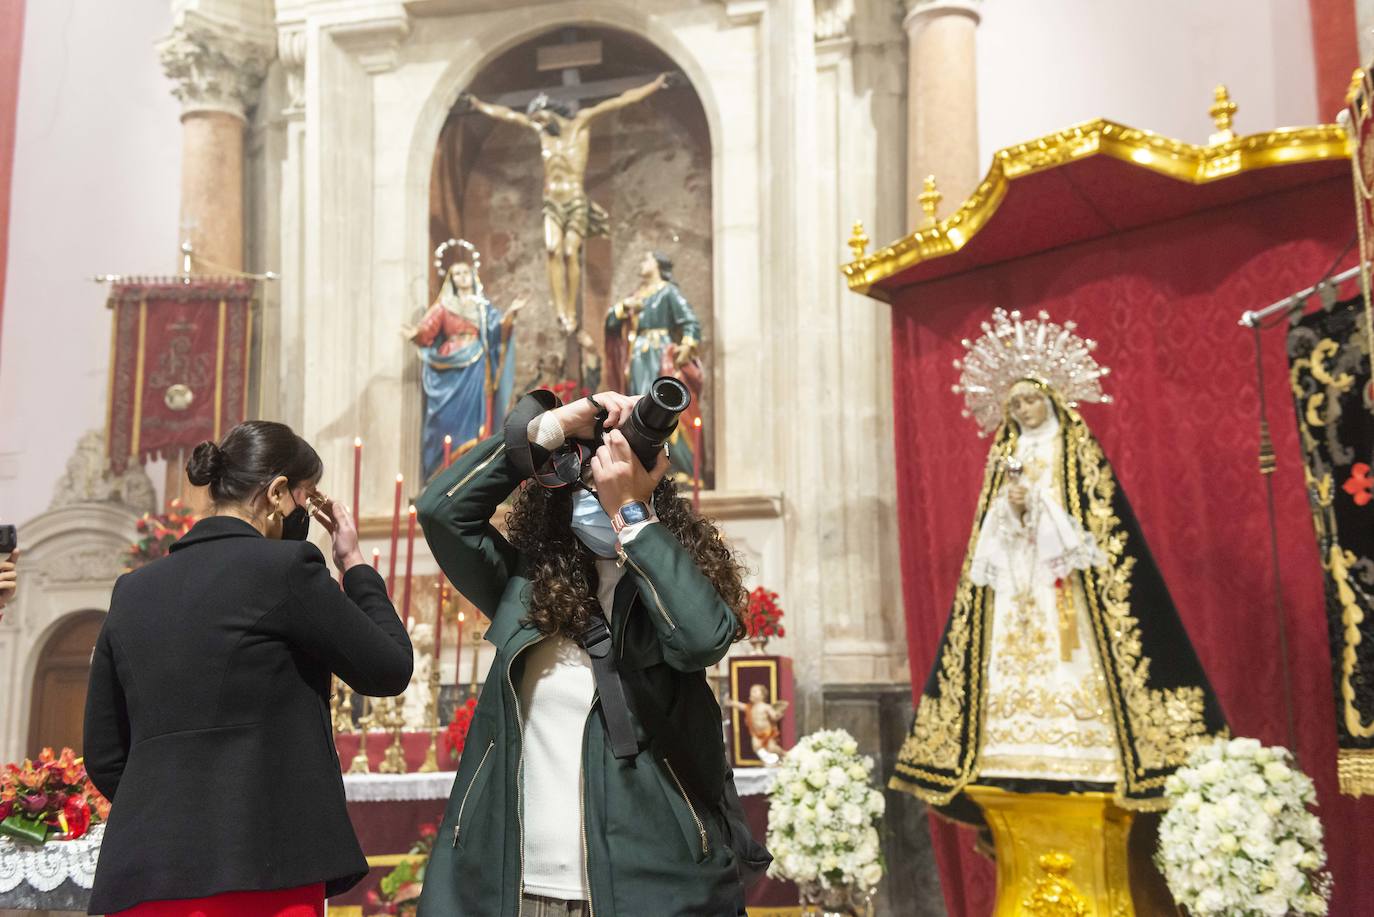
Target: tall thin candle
[[410, 564], [376, 558], [395, 538], [357, 477], [696, 464], [448, 449]]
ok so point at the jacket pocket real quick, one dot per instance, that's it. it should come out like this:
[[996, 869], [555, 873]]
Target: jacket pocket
[[473, 787], [688, 818]]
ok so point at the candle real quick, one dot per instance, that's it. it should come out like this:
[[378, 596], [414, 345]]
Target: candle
[[410, 563], [357, 477], [696, 464], [458, 656], [448, 449], [395, 538], [376, 558]]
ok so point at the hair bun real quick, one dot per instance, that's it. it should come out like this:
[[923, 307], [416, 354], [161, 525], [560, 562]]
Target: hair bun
[[206, 464]]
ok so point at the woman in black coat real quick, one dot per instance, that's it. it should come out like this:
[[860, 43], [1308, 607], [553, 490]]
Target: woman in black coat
[[207, 719]]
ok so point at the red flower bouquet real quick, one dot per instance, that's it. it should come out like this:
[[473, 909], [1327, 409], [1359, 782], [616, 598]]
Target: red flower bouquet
[[156, 534], [456, 735], [763, 615], [50, 799]]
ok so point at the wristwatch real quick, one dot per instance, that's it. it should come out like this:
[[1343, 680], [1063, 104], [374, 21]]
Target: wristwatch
[[629, 514]]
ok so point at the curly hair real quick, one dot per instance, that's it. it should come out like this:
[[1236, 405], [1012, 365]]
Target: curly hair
[[561, 569]]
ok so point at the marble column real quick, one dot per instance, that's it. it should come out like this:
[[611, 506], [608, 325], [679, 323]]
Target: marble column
[[216, 71], [942, 100]]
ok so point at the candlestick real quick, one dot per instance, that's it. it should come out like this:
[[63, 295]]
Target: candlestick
[[442, 589], [410, 563], [431, 762], [448, 449], [395, 538], [376, 558], [360, 763], [357, 477], [393, 719], [696, 465]]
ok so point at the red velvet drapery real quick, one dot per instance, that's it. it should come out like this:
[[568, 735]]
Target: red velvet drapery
[[1163, 302]]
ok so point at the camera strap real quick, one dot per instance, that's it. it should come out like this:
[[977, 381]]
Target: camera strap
[[595, 638]]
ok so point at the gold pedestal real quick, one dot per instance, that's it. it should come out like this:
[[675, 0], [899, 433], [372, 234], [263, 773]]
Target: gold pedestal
[[1058, 855]]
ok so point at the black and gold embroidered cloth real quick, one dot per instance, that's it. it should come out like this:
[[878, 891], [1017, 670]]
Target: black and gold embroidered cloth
[[1330, 377], [1161, 703]]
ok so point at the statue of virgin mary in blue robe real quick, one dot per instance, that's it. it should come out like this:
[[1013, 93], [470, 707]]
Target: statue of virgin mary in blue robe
[[469, 364]]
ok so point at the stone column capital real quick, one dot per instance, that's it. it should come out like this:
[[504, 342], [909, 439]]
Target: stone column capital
[[920, 11], [291, 51], [212, 66]]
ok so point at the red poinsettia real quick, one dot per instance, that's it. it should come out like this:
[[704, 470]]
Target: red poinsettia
[[763, 615], [50, 797], [456, 735], [157, 534]]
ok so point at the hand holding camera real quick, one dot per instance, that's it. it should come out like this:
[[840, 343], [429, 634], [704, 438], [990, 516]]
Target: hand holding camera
[[620, 477], [578, 418]]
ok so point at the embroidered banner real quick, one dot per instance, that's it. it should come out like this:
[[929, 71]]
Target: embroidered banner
[[178, 365], [1331, 387], [1361, 127]]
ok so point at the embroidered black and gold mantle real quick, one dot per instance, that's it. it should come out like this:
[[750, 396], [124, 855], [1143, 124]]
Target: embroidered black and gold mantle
[[1330, 377], [1160, 700]]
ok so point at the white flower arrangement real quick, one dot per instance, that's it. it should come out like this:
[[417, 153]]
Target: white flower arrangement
[[823, 815], [1238, 838]]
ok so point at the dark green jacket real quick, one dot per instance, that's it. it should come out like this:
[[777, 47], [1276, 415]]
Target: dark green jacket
[[655, 840]]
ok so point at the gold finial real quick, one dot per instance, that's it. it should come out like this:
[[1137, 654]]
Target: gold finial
[[1223, 110], [858, 240], [930, 201], [1356, 81]]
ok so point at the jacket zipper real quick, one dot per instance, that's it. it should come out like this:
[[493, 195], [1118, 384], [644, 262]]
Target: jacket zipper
[[657, 601], [462, 805], [468, 477], [701, 829], [520, 762], [582, 814]]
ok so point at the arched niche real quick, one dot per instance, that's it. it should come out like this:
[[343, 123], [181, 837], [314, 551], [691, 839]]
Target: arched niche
[[57, 700], [70, 558], [650, 166]]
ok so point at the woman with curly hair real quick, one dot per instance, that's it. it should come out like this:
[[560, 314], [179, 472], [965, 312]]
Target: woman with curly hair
[[569, 800]]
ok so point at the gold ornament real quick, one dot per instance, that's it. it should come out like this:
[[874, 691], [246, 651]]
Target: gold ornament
[[1223, 112]]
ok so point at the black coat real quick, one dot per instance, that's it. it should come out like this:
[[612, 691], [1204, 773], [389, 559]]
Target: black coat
[[207, 719]]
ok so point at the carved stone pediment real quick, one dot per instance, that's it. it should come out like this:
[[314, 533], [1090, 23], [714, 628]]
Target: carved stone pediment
[[88, 479]]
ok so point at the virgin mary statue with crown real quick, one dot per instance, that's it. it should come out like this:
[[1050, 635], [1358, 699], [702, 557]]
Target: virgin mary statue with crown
[[1064, 666]]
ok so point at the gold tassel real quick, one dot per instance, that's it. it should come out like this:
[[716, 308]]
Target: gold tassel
[[1068, 619]]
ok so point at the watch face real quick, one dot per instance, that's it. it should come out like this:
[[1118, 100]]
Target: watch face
[[631, 513]]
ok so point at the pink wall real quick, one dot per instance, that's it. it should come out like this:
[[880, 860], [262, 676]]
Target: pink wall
[[95, 189], [11, 41]]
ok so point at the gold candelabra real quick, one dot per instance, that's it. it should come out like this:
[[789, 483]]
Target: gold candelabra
[[359, 764], [341, 708], [393, 719]]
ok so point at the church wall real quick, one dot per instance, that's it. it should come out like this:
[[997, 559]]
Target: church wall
[[1043, 66], [95, 189]]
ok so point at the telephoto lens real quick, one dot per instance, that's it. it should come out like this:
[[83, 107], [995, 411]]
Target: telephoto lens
[[655, 418]]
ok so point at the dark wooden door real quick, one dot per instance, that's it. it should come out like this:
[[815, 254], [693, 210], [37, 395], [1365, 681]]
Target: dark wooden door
[[59, 684]]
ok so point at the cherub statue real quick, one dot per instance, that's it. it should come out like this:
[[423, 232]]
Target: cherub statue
[[417, 692], [762, 719]]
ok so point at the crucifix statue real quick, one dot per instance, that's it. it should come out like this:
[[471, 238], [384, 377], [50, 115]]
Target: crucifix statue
[[570, 217]]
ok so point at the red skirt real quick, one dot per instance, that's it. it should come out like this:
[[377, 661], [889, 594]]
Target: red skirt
[[306, 901]]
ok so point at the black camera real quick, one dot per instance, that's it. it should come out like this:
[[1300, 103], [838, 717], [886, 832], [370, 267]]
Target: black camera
[[654, 418], [9, 539]]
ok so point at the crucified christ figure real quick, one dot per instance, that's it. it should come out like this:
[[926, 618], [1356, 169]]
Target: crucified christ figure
[[570, 217]]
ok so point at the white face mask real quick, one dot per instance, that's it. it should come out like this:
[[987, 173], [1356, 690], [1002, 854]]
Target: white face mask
[[592, 526]]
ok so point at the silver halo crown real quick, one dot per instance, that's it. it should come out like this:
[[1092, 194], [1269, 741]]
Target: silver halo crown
[[471, 249], [1013, 348]]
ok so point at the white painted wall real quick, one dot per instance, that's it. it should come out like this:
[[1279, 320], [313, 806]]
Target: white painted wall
[[1046, 65], [96, 189]]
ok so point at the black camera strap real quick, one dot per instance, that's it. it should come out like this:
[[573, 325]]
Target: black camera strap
[[595, 638]]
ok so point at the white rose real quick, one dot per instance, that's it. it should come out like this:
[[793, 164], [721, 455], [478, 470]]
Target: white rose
[[852, 814], [1272, 806], [832, 799], [1228, 843], [1277, 772], [1254, 784], [871, 875], [1211, 901], [1191, 801], [1212, 771], [857, 772], [816, 778], [835, 777]]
